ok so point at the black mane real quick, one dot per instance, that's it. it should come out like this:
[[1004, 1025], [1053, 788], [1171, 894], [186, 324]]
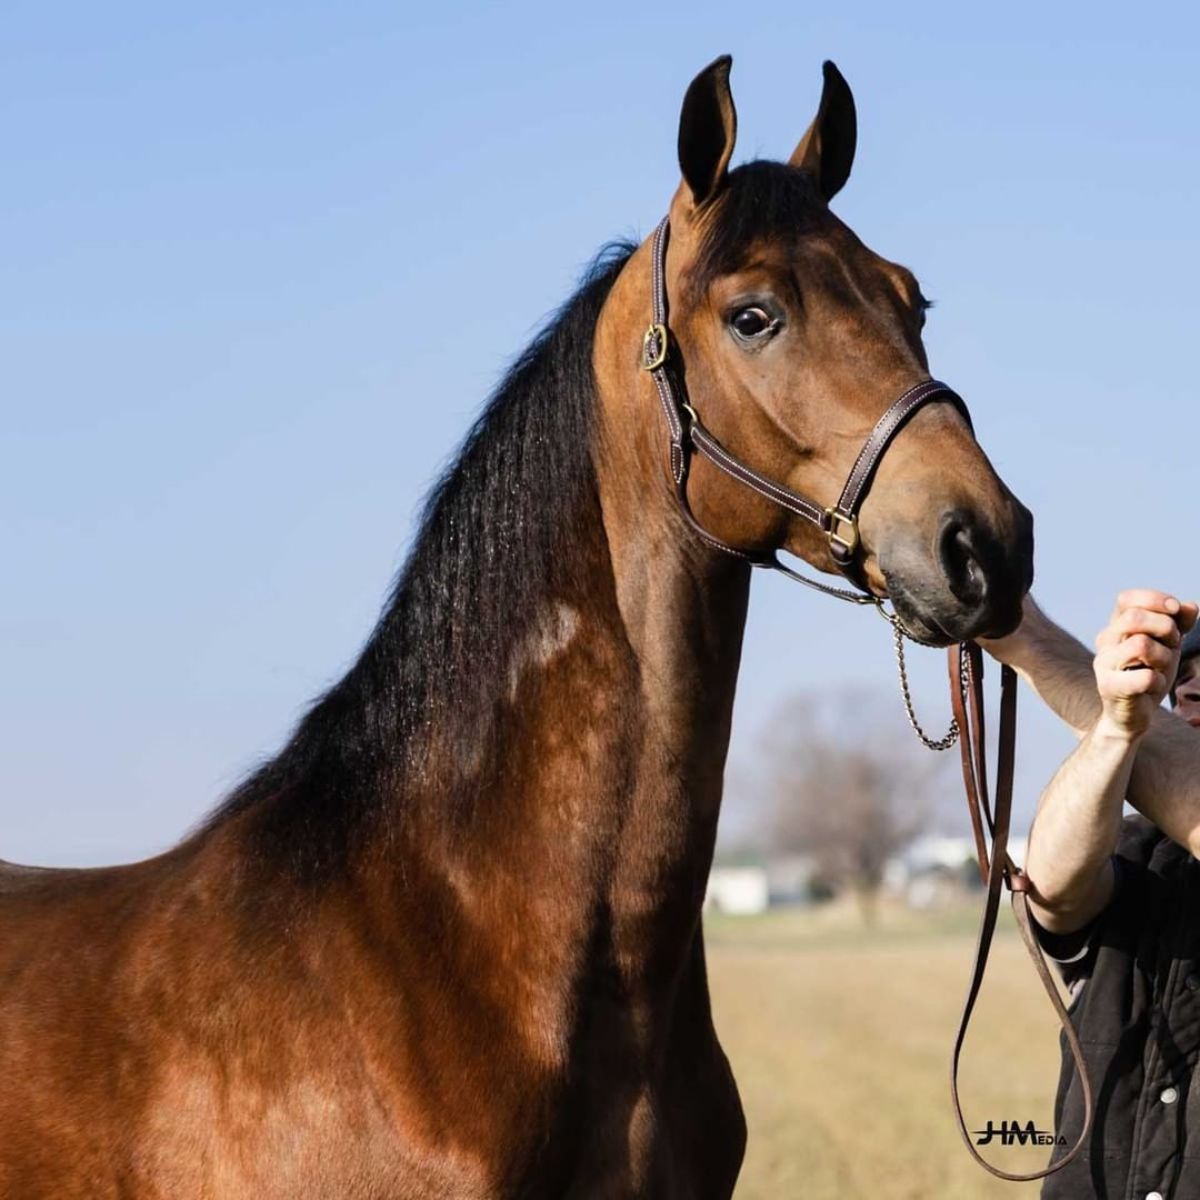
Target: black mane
[[493, 546], [499, 539]]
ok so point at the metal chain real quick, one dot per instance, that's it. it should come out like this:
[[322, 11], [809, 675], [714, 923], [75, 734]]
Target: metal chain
[[951, 737]]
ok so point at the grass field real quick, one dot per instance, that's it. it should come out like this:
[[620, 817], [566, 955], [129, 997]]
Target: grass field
[[840, 1039]]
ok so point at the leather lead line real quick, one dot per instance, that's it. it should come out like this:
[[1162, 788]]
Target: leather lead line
[[999, 870]]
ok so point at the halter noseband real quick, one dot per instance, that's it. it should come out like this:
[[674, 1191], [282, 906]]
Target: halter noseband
[[839, 522]]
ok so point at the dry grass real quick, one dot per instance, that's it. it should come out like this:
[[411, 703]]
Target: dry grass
[[840, 1040]]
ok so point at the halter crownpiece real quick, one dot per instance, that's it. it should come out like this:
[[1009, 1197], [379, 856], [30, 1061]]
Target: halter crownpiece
[[839, 522]]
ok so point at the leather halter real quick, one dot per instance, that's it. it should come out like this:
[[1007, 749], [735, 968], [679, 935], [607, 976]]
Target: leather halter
[[839, 523]]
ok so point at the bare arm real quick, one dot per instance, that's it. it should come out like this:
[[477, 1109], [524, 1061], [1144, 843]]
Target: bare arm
[[1164, 782], [1074, 835], [1056, 665]]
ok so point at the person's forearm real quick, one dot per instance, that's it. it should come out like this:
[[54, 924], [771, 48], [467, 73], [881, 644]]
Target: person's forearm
[[1057, 666], [1165, 782], [1076, 829]]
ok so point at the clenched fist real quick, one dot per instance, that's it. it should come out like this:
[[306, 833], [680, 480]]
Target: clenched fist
[[1137, 654]]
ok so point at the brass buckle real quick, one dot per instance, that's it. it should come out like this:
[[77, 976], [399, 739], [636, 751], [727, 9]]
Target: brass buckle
[[834, 520], [653, 359]]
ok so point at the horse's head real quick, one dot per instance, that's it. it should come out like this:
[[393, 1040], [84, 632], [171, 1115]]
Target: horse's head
[[795, 338]]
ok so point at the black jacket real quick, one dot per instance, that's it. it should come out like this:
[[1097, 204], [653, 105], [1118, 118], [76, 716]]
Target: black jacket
[[1134, 976]]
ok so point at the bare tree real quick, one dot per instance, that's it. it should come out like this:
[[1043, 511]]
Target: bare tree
[[848, 785]]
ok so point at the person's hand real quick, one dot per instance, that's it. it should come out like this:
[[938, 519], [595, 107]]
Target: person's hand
[[1137, 655]]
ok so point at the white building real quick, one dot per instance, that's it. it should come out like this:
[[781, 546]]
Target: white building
[[739, 891]]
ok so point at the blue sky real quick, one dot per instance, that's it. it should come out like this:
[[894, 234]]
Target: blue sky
[[261, 267]]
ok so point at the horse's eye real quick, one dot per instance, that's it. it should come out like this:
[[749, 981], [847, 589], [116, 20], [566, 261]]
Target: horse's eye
[[751, 323]]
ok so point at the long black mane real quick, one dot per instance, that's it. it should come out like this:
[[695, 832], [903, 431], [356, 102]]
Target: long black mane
[[493, 546]]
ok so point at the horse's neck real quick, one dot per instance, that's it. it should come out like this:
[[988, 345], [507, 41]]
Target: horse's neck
[[589, 821], [600, 786], [686, 631], [682, 606], [575, 831], [681, 609]]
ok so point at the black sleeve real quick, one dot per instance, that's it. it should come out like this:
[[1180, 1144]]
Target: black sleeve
[[1070, 951], [1147, 866]]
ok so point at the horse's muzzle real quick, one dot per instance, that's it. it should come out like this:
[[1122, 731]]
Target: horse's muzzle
[[973, 582]]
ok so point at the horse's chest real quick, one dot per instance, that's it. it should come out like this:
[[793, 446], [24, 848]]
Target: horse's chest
[[203, 1137]]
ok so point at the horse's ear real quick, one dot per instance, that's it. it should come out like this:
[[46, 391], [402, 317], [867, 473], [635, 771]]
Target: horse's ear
[[707, 130], [826, 151]]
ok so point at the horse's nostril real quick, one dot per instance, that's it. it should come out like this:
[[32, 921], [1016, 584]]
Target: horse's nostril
[[956, 552]]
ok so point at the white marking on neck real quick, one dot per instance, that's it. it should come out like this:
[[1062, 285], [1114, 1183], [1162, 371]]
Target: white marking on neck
[[551, 634]]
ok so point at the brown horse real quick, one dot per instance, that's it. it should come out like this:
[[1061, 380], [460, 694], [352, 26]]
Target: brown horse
[[447, 943]]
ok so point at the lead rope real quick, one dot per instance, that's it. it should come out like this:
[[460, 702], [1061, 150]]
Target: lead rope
[[998, 871], [996, 867]]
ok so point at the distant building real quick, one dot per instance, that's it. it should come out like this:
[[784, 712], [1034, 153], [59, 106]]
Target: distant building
[[790, 879], [952, 853], [938, 850], [738, 891], [936, 867]]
